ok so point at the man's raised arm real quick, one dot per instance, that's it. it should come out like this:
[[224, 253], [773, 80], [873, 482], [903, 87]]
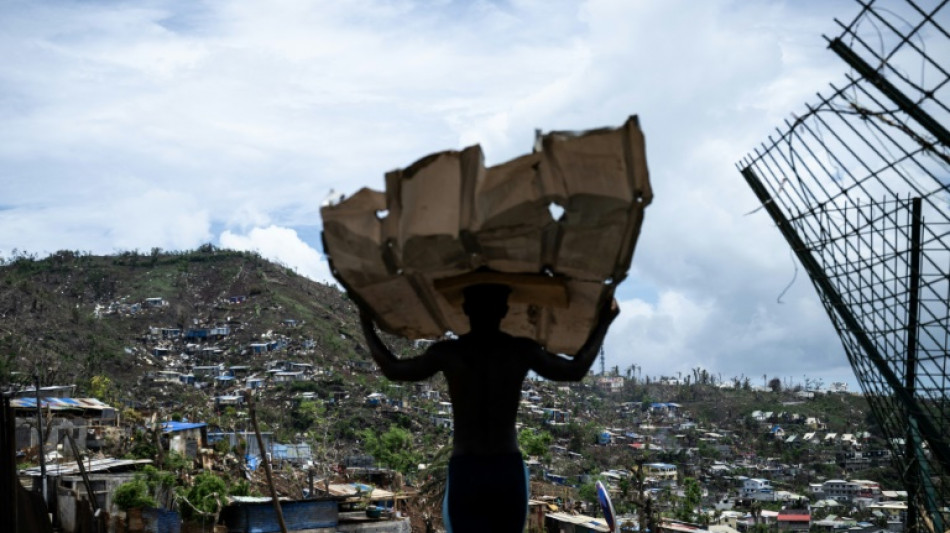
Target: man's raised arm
[[557, 368], [414, 369]]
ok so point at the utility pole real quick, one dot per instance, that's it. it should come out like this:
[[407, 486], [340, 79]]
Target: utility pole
[[260, 446], [39, 432]]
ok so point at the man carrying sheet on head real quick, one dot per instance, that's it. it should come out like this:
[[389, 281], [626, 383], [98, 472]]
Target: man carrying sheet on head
[[484, 369]]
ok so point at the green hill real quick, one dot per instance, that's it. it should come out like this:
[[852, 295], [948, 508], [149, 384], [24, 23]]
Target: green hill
[[71, 316]]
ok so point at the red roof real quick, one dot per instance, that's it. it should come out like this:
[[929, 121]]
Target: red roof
[[794, 517]]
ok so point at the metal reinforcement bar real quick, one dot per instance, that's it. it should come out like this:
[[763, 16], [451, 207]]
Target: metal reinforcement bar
[[893, 93], [912, 441], [811, 265]]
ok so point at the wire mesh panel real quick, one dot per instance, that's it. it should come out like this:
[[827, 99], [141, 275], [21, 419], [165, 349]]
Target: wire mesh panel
[[858, 185]]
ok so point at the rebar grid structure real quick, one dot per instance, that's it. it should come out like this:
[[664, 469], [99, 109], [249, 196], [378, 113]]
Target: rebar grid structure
[[858, 186]]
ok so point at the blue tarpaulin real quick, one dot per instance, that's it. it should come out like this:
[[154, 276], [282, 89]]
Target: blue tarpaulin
[[172, 426]]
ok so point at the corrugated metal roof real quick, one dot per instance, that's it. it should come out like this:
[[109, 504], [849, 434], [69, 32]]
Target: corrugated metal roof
[[676, 526], [794, 517], [347, 490], [94, 465], [59, 404], [589, 522]]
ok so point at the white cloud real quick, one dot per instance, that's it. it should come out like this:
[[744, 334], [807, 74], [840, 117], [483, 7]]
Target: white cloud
[[132, 127], [284, 246]]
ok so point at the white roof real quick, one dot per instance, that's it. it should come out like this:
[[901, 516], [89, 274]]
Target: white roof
[[589, 522]]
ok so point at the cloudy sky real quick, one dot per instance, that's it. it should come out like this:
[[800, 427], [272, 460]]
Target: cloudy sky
[[140, 124]]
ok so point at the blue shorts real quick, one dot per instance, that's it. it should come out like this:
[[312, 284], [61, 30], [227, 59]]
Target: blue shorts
[[486, 493]]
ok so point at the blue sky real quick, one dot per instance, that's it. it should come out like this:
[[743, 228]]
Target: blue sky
[[170, 124]]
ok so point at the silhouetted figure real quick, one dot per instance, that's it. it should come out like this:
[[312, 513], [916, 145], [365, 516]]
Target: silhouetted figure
[[484, 369]]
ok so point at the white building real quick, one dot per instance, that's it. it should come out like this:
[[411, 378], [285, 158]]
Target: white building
[[848, 491], [758, 489]]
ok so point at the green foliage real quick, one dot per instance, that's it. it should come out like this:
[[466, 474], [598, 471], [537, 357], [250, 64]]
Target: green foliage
[[392, 449], [588, 491], [693, 495], [133, 494], [207, 495], [143, 446], [241, 488], [581, 436], [101, 387], [222, 447], [306, 414], [707, 451], [131, 416], [304, 386], [535, 443], [176, 462], [158, 479]]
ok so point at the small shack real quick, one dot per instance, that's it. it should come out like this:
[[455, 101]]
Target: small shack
[[247, 514], [185, 437]]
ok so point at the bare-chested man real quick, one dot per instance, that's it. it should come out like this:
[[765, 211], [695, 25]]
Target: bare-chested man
[[485, 369]]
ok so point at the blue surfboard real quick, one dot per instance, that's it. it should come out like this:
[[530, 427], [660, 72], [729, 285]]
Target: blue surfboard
[[608, 507]]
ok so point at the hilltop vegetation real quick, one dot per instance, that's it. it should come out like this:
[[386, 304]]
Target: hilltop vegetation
[[71, 316]]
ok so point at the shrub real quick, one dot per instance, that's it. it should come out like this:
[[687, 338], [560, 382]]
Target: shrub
[[207, 495], [132, 494]]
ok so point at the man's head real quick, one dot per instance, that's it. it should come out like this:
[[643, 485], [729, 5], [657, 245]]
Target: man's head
[[486, 304]]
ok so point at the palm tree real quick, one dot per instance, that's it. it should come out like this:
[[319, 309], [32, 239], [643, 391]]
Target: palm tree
[[432, 491]]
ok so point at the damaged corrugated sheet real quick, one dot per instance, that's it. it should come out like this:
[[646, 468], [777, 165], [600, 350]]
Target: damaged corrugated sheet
[[60, 404], [246, 515], [558, 226], [92, 465], [588, 522], [161, 521], [352, 490]]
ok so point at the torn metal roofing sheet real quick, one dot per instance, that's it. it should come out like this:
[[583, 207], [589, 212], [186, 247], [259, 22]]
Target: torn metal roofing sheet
[[59, 404], [589, 522], [92, 465], [347, 490], [559, 226]]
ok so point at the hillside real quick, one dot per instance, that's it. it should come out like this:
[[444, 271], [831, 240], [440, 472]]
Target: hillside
[[180, 335], [72, 316]]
